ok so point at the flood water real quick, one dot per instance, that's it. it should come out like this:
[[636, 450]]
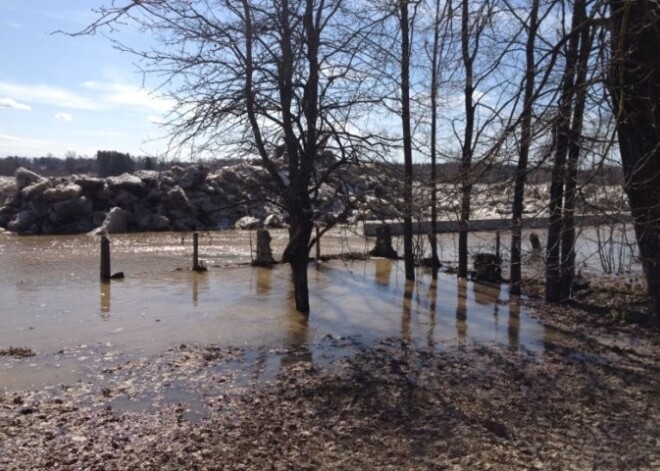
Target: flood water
[[53, 302]]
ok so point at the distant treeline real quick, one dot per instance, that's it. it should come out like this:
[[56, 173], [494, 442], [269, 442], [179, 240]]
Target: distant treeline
[[106, 163]]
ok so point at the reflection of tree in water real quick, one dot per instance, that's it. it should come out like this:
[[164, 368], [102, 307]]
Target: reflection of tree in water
[[297, 338], [264, 280], [105, 300], [461, 312], [513, 330], [406, 305], [433, 299], [383, 267], [486, 294]]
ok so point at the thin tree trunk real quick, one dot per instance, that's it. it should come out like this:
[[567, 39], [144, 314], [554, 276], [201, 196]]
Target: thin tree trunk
[[435, 260], [466, 155], [567, 268], [407, 142], [525, 141], [553, 249]]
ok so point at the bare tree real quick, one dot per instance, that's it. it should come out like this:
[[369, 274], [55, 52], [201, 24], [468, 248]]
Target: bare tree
[[525, 142], [286, 80], [562, 132], [469, 53], [408, 254], [575, 145], [436, 49]]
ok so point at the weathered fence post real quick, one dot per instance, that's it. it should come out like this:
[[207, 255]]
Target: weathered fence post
[[264, 254], [196, 265], [383, 246], [497, 245], [195, 251], [105, 259], [534, 240]]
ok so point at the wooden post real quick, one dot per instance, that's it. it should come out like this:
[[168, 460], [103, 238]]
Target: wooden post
[[318, 243], [195, 251], [497, 245], [196, 265], [264, 253], [105, 259]]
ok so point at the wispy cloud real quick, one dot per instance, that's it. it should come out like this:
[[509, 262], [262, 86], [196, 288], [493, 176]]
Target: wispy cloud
[[130, 96], [48, 95], [11, 103], [15, 145], [94, 96], [62, 116]]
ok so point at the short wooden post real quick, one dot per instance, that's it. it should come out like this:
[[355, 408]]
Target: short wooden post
[[264, 253], [535, 241], [198, 267], [105, 259], [497, 245], [318, 243], [195, 251]]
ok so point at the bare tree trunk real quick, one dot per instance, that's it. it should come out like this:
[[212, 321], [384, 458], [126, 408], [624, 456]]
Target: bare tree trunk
[[635, 88], [525, 141], [297, 254], [435, 260], [567, 268], [466, 155], [553, 249], [408, 254]]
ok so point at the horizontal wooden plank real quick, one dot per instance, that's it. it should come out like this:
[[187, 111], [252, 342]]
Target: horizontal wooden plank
[[485, 225]]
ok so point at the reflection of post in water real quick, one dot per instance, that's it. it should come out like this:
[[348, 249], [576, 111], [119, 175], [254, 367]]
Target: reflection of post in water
[[105, 300], [407, 309], [383, 271], [264, 280], [461, 312], [433, 299], [485, 293], [199, 283], [514, 323]]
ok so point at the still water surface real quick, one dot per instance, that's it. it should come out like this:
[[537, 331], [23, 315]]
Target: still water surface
[[53, 302]]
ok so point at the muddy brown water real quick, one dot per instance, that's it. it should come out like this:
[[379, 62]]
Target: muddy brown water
[[53, 302]]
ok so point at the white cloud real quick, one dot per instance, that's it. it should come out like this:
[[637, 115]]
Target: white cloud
[[48, 95], [31, 147], [130, 96], [11, 103], [61, 116], [94, 96]]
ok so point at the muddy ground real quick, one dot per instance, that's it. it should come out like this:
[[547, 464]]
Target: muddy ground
[[589, 402]]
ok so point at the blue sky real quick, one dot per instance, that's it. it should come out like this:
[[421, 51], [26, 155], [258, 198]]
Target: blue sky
[[62, 94]]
